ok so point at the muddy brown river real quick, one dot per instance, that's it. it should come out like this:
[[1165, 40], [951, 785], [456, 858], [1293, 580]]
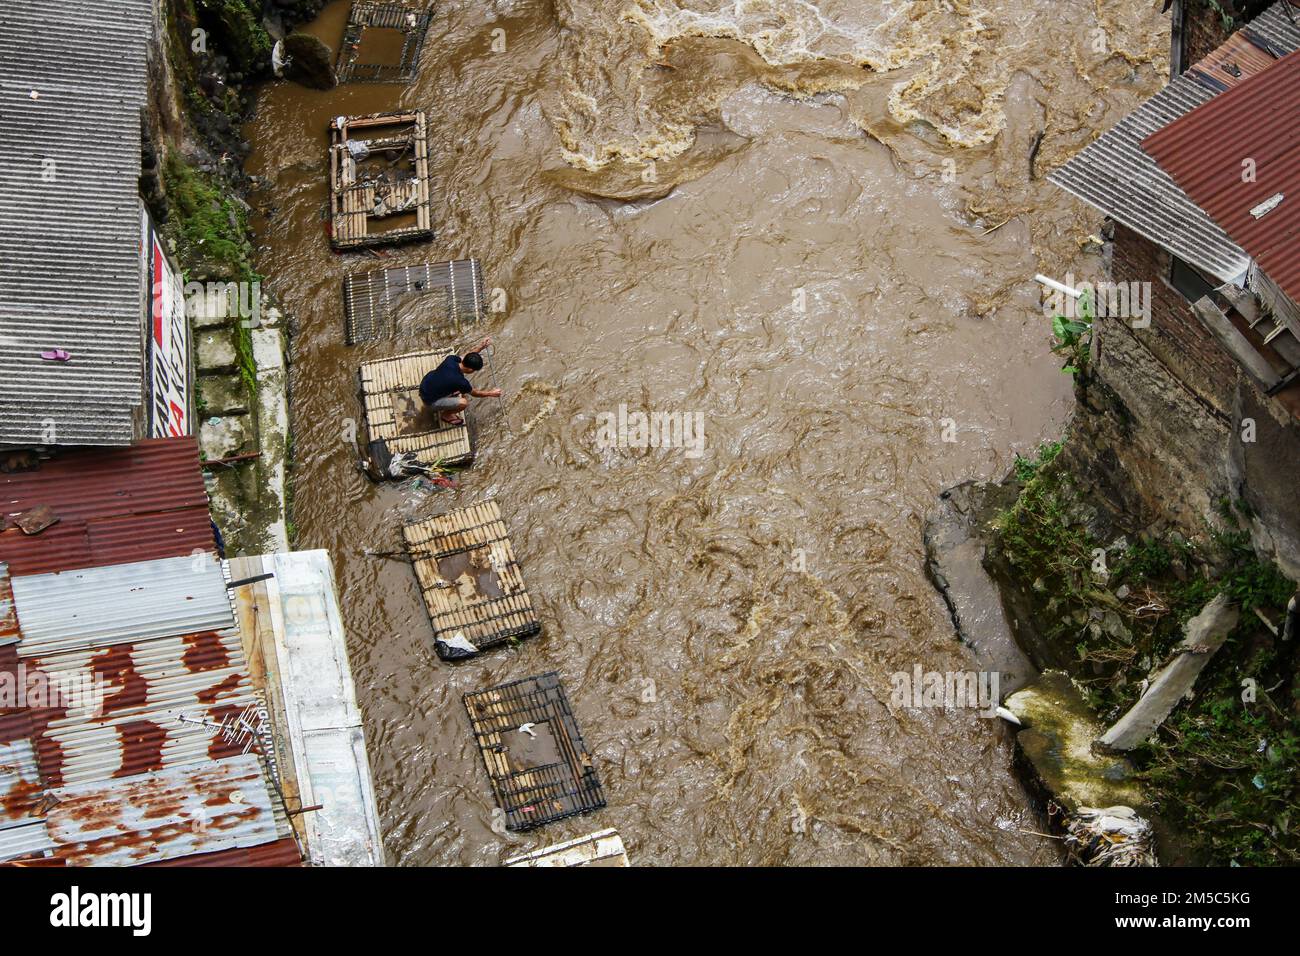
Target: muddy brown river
[[811, 227]]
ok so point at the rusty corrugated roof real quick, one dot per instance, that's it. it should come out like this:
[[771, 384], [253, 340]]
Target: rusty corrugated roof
[[8, 616], [1210, 151], [1238, 59], [280, 853], [117, 777], [1117, 176], [177, 812], [114, 506]]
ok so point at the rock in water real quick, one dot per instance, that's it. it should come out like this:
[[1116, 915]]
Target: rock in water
[[309, 61]]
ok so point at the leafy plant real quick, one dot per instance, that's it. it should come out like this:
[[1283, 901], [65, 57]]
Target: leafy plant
[[1074, 336], [1026, 468]]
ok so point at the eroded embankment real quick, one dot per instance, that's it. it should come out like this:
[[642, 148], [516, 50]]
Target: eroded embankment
[[1096, 588]]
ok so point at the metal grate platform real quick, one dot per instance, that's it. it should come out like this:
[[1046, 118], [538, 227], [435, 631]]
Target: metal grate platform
[[397, 421], [470, 581], [370, 299], [535, 757], [412, 22], [379, 180]]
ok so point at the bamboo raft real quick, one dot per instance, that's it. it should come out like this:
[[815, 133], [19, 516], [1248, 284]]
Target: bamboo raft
[[539, 767], [361, 199], [411, 22], [470, 581], [397, 421], [370, 298]]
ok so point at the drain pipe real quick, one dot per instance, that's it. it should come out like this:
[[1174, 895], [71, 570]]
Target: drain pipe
[[1058, 286]]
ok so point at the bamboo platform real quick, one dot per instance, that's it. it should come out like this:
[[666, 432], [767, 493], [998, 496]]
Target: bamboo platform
[[393, 180], [533, 751], [370, 298], [410, 21], [397, 420], [470, 581]]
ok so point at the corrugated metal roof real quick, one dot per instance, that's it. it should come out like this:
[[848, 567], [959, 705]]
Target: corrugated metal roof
[[143, 709], [1235, 61], [177, 812], [130, 504], [1278, 27], [20, 782], [25, 839], [65, 610], [144, 688], [1114, 173], [70, 266], [8, 616], [280, 853], [1205, 151]]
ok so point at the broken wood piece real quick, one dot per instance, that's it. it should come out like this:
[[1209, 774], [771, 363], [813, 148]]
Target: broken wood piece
[[1203, 637], [35, 520]]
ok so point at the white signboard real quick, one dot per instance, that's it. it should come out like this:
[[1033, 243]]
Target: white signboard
[[169, 345]]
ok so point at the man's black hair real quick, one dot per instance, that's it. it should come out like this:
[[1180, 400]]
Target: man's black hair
[[473, 361]]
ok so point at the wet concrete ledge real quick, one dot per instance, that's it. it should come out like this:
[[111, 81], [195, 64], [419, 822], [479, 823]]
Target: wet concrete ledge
[[1054, 738]]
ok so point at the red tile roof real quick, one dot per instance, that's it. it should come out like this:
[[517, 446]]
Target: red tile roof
[[1204, 152], [138, 503]]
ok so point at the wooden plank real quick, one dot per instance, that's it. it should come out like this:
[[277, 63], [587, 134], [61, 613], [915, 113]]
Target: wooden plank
[[1204, 635], [353, 202], [485, 618]]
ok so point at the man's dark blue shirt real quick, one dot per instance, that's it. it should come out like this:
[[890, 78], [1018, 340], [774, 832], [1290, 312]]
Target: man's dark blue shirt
[[444, 380]]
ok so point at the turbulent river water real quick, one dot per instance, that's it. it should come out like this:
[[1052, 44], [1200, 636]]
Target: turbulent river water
[[812, 225]]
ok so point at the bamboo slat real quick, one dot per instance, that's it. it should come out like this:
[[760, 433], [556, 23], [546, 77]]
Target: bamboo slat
[[387, 382], [493, 606], [534, 785], [353, 200]]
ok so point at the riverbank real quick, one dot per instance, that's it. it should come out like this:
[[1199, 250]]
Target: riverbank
[[211, 55], [1096, 598]]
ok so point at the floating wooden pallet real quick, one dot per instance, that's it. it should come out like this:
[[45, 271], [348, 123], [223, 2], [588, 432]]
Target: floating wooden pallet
[[396, 419], [537, 777], [602, 848], [361, 201], [411, 22], [370, 298], [470, 581]]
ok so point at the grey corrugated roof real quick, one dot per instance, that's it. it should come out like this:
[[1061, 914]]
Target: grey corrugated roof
[[1278, 26], [1116, 175], [99, 607], [70, 273]]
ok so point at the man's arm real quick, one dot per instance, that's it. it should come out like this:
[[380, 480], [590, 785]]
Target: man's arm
[[482, 345], [485, 393]]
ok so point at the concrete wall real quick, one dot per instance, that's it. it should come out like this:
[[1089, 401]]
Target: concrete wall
[[1164, 420]]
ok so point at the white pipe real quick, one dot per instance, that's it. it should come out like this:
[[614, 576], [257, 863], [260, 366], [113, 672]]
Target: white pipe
[[1058, 286]]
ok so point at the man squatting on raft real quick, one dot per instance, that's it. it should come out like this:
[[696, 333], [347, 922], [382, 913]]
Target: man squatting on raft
[[447, 388]]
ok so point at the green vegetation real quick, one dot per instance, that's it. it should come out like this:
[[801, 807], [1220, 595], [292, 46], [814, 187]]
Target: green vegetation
[[1227, 17], [1222, 770], [211, 226], [212, 240], [237, 25], [1026, 468], [1074, 336]]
